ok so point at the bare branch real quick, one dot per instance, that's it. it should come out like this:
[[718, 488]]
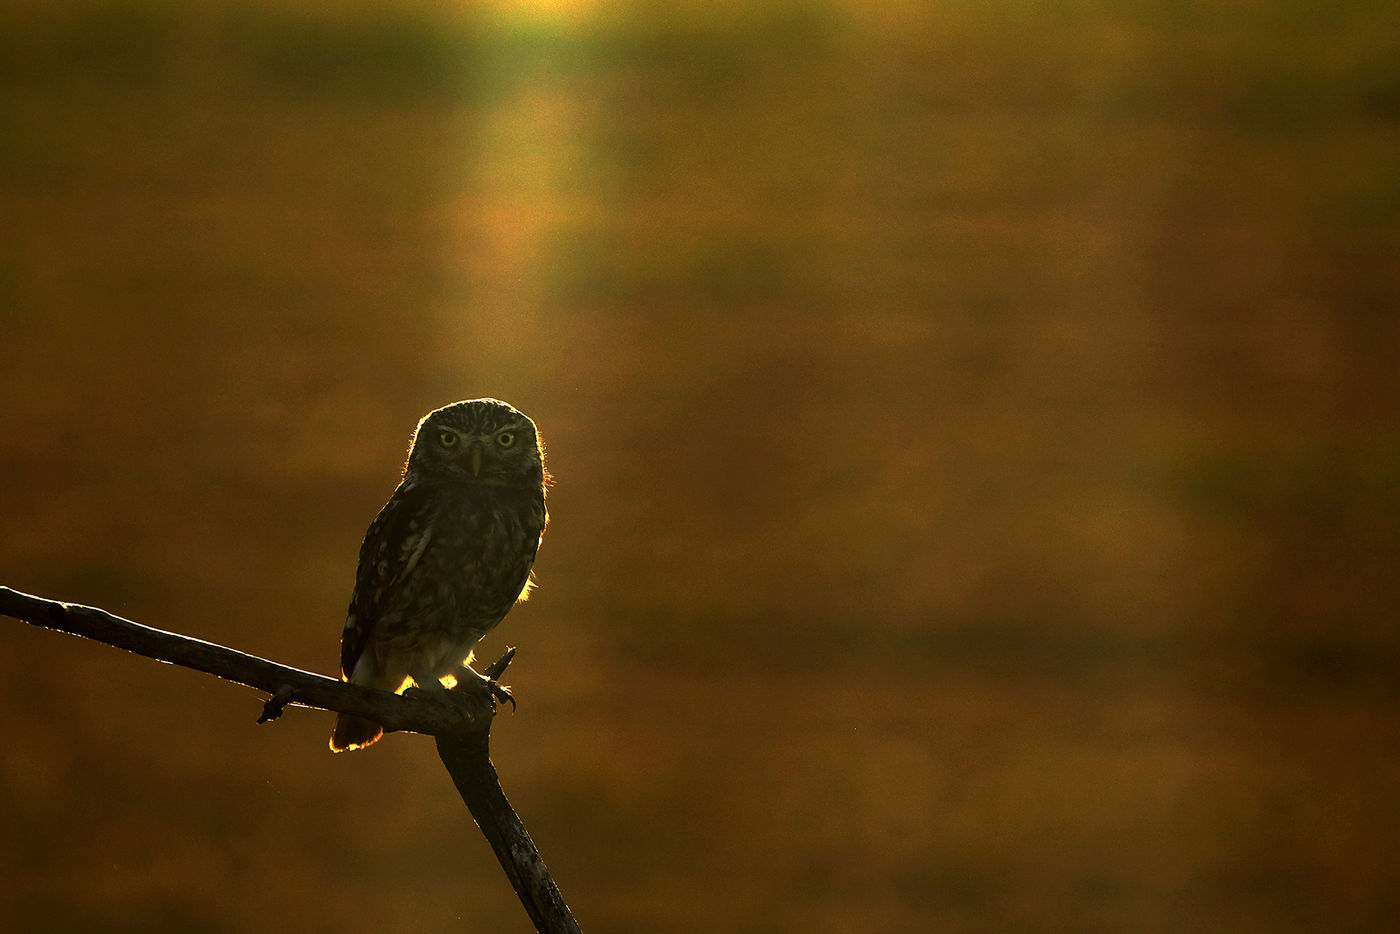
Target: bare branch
[[468, 760], [415, 713], [462, 729]]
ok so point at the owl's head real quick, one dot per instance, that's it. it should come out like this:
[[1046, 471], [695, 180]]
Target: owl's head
[[482, 441]]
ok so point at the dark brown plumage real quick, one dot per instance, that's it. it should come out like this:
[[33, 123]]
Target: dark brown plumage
[[447, 556]]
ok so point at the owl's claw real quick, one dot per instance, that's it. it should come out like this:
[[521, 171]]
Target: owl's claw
[[468, 680], [500, 693]]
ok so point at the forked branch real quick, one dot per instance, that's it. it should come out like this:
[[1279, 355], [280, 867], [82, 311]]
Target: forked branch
[[462, 730]]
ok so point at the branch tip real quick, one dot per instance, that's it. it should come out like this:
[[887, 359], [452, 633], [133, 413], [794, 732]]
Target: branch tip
[[498, 667]]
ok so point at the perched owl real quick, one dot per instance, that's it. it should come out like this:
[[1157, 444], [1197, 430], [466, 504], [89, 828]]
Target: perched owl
[[447, 556]]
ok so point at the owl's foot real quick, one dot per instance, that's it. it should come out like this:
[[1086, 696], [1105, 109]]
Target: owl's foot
[[460, 703], [499, 692], [502, 693], [468, 679]]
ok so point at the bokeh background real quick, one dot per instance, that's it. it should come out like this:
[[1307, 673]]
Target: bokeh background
[[976, 427]]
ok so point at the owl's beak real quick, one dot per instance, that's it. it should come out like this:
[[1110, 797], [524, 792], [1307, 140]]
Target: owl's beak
[[476, 461]]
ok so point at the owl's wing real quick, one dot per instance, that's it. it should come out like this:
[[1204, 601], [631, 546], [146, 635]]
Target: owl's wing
[[395, 542]]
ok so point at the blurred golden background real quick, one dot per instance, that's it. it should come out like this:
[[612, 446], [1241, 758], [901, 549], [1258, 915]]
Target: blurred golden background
[[976, 429]]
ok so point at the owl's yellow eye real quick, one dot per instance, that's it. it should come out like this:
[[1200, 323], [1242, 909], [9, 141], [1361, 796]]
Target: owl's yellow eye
[[505, 439], [448, 439]]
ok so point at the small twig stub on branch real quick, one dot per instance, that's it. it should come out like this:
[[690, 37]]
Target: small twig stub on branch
[[276, 704]]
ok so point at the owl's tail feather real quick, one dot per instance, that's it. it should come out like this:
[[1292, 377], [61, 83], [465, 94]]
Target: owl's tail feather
[[354, 733]]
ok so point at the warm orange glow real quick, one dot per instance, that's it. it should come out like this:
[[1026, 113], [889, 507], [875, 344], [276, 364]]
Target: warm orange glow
[[975, 425]]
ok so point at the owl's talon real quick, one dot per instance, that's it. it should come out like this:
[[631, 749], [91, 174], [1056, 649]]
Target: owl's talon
[[500, 693]]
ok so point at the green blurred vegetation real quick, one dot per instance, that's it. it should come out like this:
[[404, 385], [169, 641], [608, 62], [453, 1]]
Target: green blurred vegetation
[[975, 427]]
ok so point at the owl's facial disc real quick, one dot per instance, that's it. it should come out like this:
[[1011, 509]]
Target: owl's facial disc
[[481, 442], [482, 454]]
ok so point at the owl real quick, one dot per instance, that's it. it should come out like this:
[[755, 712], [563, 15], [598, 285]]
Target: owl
[[447, 556]]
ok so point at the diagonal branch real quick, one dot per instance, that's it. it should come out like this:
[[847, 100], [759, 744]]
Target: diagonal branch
[[468, 761], [462, 729], [414, 713]]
